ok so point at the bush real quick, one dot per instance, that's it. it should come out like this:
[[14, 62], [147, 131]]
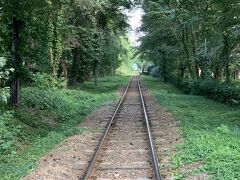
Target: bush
[[54, 101], [8, 133], [4, 94], [4, 77], [46, 81], [227, 92]]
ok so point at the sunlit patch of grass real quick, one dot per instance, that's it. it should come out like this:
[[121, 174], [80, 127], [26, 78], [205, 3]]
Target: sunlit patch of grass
[[211, 131]]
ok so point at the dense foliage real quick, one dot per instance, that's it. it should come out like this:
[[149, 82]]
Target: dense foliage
[[45, 46], [74, 39], [4, 76], [192, 39], [226, 92], [45, 117]]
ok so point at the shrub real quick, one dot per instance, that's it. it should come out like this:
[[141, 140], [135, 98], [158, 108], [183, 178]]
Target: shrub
[[46, 81], [4, 94], [4, 76], [226, 92], [8, 133], [54, 101]]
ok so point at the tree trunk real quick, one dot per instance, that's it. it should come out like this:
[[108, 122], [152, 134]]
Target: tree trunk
[[64, 72], [14, 99], [114, 67], [197, 70], [164, 68], [236, 74], [95, 71], [181, 73], [185, 42], [218, 73], [226, 55], [64, 69], [74, 74], [194, 48], [228, 72], [53, 69]]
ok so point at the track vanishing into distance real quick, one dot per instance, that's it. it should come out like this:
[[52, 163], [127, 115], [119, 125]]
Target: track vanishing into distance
[[126, 150]]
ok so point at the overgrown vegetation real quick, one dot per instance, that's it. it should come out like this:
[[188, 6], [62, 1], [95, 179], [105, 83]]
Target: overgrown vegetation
[[45, 117], [194, 43], [210, 130], [225, 92], [51, 52], [77, 40]]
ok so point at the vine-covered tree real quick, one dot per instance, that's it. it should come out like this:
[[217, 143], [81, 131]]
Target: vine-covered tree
[[76, 39], [200, 38]]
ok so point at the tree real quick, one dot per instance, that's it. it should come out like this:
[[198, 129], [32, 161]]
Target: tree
[[201, 34], [67, 38]]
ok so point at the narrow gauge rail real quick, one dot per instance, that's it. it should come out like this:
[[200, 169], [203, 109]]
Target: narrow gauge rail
[[126, 150]]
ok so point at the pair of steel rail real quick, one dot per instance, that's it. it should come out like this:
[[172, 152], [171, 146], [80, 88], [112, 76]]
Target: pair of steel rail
[[149, 134]]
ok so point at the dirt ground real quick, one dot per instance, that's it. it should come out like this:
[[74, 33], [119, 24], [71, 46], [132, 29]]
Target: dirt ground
[[70, 158]]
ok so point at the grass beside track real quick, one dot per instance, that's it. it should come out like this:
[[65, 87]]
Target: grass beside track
[[46, 117], [211, 132]]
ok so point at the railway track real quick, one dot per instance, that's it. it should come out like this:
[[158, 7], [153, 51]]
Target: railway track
[[126, 150]]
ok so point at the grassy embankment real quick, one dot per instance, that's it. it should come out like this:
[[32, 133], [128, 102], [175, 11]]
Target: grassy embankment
[[46, 117], [211, 131]]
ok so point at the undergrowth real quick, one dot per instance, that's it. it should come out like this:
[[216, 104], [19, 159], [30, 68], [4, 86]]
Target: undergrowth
[[211, 131], [225, 92], [45, 117]]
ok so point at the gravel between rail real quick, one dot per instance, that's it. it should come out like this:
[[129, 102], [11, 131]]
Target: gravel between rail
[[126, 153]]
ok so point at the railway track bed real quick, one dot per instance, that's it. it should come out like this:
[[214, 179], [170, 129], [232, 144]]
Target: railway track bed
[[126, 150], [125, 153]]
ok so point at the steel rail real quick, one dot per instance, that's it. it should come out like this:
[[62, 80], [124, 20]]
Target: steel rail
[[95, 156], [150, 139]]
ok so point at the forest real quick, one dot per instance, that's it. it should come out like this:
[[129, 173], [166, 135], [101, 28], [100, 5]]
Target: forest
[[47, 49], [73, 40], [195, 45], [61, 60]]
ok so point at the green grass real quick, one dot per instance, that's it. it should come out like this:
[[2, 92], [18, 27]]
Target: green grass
[[46, 117], [211, 131]]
